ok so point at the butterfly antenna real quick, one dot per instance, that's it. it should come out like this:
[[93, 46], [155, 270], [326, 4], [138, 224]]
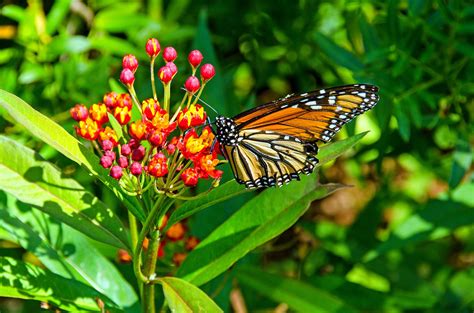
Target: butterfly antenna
[[204, 102]]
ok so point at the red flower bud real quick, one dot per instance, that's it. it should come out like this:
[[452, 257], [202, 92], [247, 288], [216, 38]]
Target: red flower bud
[[136, 168], [172, 67], [195, 58], [123, 256], [125, 150], [127, 77], [125, 100], [156, 137], [165, 74], [207, 72], [152, 47], [110, 100], [130, 61], [123, 161], [169, 54], [192, 84], [107, 145], [79, 112], [106, 161], [138, 154], [116, 172], [190, 177]]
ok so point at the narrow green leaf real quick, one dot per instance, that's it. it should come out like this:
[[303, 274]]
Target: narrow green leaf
[[338, 54], [26, 281], [259, 220], [36, 182], [333, 150], [298, 295], [54, 135], [65, 252], [226, 191], [185, 297], [437, 220], [56, 15]]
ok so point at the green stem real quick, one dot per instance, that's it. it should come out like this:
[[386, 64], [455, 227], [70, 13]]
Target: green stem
[[152, 77], [150, 267], [167, 95]]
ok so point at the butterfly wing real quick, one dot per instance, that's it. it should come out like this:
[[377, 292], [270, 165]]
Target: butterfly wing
[[273, 143], [316, 115], [265, 158]]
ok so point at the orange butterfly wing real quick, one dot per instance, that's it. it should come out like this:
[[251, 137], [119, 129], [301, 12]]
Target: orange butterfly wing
[[317, 115]]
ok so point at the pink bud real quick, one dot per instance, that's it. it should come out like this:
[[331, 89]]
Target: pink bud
[[207, 72], [106, 161], [126, 150], [110, 154], [138, 154], [79, 112], [165, 74], [136, 168], [107, 145], [116, 172], [123, 161], [127, 77], [192, 84], [172, 67], [130, 61], [152, 47], [195, 58], [169, 54]]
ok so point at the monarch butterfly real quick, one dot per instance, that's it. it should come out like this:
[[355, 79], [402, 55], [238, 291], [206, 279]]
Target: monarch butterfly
[[274, 143]]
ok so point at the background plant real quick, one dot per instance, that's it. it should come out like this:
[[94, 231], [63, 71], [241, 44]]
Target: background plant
[[401, 240]]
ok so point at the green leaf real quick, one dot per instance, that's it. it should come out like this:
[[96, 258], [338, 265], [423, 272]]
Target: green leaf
[[26, 281], [298, 295], [338, 54], [65, 252], [259, 220], [437, 220], [54, 135], [30, 179], [185, 297], [226, 191], [56, 15], [121, 17], [462, 161], [333, 150]]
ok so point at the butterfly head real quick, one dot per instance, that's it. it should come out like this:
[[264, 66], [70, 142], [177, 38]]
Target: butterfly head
[[226, 131]]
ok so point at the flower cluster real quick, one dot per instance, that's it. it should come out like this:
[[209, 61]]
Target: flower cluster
[[160, 149]]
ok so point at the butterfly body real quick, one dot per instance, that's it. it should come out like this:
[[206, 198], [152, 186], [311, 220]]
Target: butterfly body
[[274, 143]]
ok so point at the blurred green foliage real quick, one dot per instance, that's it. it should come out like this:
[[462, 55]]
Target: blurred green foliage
[[401, 241]]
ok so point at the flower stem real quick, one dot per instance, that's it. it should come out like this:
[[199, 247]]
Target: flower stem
[[167, 95], [150, 266], [152, 77]]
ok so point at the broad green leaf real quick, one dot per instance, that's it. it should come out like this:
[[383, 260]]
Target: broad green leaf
[[259, 220], [185, 297], [338, 54], [226, 191], [462, 161], [65, 252], [331, 151], [437, 220], [298, 295], [38, 183], [26, 281], [54, 135]]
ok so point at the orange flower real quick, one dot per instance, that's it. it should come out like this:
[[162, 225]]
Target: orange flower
[[179, 258], [110, 100], [194, 116], [161, 122], [190, 177], [88, 129], [192, 146], [124, 100], [207, 166], [138, 130], [191, 242], [122, 115], [150, 107], [98, 112], [123, 256], [158, 165], [108, 134], [176, 232]]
